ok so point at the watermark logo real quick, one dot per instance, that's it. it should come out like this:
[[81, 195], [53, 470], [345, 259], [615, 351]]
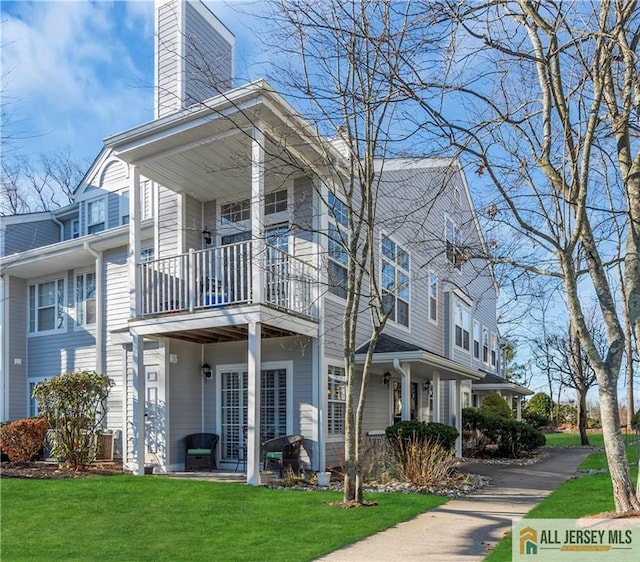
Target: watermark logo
[[546, 540]]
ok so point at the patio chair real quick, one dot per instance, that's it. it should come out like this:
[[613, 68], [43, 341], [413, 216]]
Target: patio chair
[[281, 453], [200, 451]]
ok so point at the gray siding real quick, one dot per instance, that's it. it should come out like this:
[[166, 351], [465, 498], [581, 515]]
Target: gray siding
[[208, 59], [193, 227], [167, 218], [15, 336], [167, 94], [32, 234], [116, 283]]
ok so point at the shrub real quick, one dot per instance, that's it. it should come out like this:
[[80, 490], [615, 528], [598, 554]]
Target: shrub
[[432, 432], [421, 462], [22, 440], [496, 404], [534, 419], [510, 437], [540, 404], [74, 405]]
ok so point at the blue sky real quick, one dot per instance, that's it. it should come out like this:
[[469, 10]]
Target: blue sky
[[74, 72]]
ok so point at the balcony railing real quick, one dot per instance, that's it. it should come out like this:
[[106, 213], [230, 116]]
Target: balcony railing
[[222, 276]]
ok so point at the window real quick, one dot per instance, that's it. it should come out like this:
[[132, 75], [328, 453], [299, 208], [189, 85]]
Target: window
[[494, 350], [276, 202], [124, 207], [433, 298], [235, 212], [96, 216], [338, 257], [485, 345], [86, 299], [454, 252], [34, 409], [395, 281], [146, 255], [337, 400], [476, 340], [75, 228], [46, 306], [462, 317]]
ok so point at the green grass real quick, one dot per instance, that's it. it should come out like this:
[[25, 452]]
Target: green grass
[[586, 495], [572, 439], [136, 519]]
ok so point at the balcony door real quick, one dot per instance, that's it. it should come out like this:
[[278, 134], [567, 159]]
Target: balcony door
[[233, 409]]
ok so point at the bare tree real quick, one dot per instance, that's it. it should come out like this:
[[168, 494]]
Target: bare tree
[[534, 93]]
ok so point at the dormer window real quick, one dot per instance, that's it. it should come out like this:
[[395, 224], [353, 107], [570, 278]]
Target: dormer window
[[96, 216]]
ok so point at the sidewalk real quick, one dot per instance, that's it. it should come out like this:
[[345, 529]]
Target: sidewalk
[[465, 529]]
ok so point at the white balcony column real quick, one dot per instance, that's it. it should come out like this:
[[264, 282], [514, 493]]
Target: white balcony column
[[138, 399], [406, 392], [257, 215], [134, 242], [457, 404], [518, 400], [435, 414], [253, 403]]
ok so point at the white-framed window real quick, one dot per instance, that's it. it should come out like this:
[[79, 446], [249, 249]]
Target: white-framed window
[[395, 280], [476, 339], [452, 243], [124, 207], [236, 211], [494, 350], [485, 345], [86, 299], [34, 410], [433, 298], [337, 400], [147, 255], [337, 239], [96, 215], [75, 228], [46, 306], [462, 326], [276, 202]]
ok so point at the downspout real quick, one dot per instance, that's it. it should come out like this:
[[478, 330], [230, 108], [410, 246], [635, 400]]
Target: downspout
[[99, 308], [55, 219]]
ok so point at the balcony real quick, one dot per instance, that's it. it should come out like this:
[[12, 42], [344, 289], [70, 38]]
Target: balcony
[[222, 277]]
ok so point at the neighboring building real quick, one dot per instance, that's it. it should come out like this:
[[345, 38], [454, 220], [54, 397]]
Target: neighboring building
[[494, 384], [194, 241]]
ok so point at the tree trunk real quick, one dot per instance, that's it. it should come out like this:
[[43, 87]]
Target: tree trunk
[[582, 415], [623, 493]]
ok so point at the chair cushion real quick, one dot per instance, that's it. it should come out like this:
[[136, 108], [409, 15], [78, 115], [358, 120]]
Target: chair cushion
[[274, 455], [198, 451]]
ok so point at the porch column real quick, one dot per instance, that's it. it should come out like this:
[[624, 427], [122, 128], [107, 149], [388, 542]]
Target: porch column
[[406, 392], [253, 404], [138, 394], [435, 415], [257, 215], [518, 399], [457, 401], [134, 241]]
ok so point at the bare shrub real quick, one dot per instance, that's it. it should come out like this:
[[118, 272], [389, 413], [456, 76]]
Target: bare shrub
[[422, 463], [474, 443], [379, 463]]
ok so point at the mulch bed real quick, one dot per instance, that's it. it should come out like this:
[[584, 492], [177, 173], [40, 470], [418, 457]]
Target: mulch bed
[[46, 470]]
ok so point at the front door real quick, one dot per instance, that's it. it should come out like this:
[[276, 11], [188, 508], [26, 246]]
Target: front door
[[233, 409]]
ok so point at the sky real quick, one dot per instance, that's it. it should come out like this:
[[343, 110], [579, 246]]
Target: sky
[[74, 72]]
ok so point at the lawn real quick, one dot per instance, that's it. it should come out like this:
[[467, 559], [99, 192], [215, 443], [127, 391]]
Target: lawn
[[133, 518], [562, 439], [586, 495]]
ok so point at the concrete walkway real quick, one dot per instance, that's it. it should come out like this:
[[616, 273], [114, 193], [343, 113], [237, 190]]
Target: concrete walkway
[[467, 528]]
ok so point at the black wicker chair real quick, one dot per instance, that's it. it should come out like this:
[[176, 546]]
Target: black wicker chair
[[282, 453], [200, 451]]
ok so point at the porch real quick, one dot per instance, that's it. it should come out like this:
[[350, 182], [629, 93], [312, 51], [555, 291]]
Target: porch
[[223, 276]]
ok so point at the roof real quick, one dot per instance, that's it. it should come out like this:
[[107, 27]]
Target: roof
[[492, 381], [390, 352]]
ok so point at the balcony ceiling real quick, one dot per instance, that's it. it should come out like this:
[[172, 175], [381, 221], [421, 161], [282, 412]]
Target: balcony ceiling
[[206, 151]]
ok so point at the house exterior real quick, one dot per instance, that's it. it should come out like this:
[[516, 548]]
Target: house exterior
[[198, 268]]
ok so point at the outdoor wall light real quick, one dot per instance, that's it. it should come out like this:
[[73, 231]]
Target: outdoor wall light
[[206, 237], [207, 371], [426, 386], [386, 378]]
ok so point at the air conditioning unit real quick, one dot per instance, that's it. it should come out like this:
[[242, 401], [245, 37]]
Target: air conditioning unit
[[105, 447]]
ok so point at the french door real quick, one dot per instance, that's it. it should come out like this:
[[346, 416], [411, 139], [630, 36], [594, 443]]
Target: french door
[[233, 408]]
